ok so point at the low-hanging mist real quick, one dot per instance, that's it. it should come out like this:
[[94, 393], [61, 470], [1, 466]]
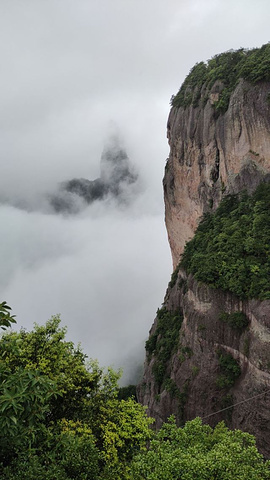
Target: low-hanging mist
[[118, 181], [69, 69], [103, 269]]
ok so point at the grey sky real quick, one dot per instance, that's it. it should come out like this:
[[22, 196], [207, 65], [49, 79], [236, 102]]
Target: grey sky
[[69, 71]]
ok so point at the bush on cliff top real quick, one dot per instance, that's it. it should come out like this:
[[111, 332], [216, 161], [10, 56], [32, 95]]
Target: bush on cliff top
[[231, 247], [252, 65]]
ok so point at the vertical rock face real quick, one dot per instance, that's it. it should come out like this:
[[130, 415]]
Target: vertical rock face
[[213, 365], [212, 155], [196, 383]]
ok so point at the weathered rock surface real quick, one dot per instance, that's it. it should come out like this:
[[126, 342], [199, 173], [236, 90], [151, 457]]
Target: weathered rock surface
[[210, 156], [195, 370]]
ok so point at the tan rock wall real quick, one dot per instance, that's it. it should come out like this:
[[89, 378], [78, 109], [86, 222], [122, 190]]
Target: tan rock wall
[[210, 156]]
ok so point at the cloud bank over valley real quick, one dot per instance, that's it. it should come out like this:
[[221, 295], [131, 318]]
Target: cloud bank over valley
[[85, 92]]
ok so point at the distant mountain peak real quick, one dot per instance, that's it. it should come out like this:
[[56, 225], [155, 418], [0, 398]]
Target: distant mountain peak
[[117, 175]]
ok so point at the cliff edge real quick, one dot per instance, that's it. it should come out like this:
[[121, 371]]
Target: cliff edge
[[208, 350], [219, 143]]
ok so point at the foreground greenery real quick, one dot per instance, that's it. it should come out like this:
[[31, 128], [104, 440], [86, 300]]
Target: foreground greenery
[[231, 247], [60, 415], [198, 452], [61, 418], [252, 65]]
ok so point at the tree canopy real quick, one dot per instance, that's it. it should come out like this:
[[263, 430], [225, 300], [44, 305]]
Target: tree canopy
[[252, 65], [198, 452], [61, 419]]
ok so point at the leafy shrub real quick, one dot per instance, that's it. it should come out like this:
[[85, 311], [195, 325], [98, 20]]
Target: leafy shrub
[[252, 65], [230, 370], [231, 247], [164, 341], [171, 387], [60, 417], [199, 452], [187, 351], [109, 441], [24, 405], [195, 370], [174, 277], [6, 319], [236, 320], [127, 392]]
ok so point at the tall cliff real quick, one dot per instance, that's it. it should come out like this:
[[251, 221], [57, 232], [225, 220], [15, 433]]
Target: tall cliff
[[208, 348]]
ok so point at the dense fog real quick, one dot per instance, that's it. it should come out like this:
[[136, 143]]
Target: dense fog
[[85, 92]]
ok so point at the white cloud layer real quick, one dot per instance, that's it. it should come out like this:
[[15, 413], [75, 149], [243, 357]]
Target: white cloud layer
[[69, 69]]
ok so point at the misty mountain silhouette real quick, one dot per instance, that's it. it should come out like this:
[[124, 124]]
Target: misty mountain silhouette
[[116, 175]]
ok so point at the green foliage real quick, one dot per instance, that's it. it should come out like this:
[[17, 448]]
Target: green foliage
[[24, 404], [164, 341], [180, 395], [252, 65], [230, 370], [195, 370], [5, 318], [104, 438], [174, 277], [236, 320], [182, 284], [125, 431], [187, 351], [68, 452], [75, 450], [127, 392], [34, 468], [198, 452], [46, 350], [257, 65], [171, 387], [195, 80], [60, 415], [231, 247]]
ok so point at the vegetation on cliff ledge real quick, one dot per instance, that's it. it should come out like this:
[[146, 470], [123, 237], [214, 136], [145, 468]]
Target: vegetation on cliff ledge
[[251, 65], [231, 247], [164, 341]]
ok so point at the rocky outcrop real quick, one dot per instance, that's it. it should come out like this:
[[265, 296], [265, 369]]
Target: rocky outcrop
[[211, 155], [218, 369], [196, 382]]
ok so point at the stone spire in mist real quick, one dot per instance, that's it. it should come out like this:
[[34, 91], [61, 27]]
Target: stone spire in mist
[[117, 174]]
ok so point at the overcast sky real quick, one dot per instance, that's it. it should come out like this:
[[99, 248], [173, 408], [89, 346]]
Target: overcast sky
[[73, 71]]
